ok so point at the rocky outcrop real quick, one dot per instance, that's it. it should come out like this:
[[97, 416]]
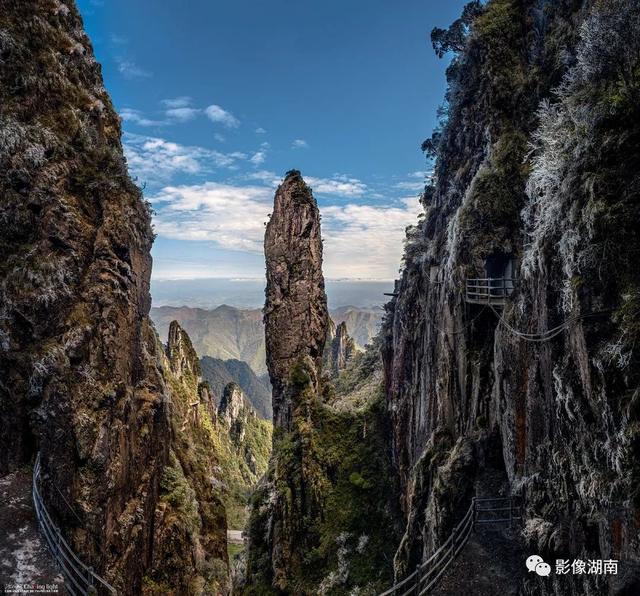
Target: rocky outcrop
[[82, 378], [340, 349], [219, 373], [536, 396], [296, 324], [232, 410], [295, 312], [183, 359], [190, 519], [321, 519]]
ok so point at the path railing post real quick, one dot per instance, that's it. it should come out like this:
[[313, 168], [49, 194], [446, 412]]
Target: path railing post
[[510, 513], [474, 514]]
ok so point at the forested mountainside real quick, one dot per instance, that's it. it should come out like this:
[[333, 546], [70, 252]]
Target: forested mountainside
[[230, 333], [223, 436], [536, 181], [84, 380]]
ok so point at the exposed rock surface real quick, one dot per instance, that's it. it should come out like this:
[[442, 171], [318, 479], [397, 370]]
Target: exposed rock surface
[[82, 377], [190, 517], [232, 405], [561, 410], [363, 324], [322, 519], [183, 359], [340, 349], [295, 313], [249, 435], [219, 454]]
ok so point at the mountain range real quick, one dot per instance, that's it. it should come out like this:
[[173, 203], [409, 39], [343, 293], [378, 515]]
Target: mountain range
[[230, 333]]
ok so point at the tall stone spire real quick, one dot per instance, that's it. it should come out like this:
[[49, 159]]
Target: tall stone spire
[[295, 313]]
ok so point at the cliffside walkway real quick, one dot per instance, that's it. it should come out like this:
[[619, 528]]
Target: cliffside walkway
[[79, 578], [481, 552], [25, 560]]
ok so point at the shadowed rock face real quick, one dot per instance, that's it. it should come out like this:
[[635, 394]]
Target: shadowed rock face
[[78, 357], [295, 313], [466, 394]]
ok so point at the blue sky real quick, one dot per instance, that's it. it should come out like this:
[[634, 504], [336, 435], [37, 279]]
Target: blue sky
[[219, 99]]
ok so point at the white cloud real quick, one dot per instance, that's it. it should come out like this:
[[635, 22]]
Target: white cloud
[[232, 216], [299, 144], [265, 176], [118, 40], [338, 185], [137, 117], [159, 159], [415, 186], [177, 102], [220, 138], [257, 158], [365, 241], [260, 130], [217, 114], [130, 70], [182, 114], [360, 241]]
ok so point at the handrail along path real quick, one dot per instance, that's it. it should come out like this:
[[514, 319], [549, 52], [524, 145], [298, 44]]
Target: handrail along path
[[80, 579], [482, 511]]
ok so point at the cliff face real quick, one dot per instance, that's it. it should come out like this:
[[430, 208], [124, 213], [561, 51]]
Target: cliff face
[[249, 435], [82, 378], [78, 354], [295, 312], [217, 457], [535, 178], [183, 359]]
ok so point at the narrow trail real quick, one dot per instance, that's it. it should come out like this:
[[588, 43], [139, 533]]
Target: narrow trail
[[491, 563], [24, 556]]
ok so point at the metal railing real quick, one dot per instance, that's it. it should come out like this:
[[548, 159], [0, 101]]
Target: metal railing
[[427, 573], [499, 510], [79, 578], [490, 290]]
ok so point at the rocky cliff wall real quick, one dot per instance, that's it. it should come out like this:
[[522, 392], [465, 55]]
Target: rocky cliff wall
[[536, 176], [83, 378]]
